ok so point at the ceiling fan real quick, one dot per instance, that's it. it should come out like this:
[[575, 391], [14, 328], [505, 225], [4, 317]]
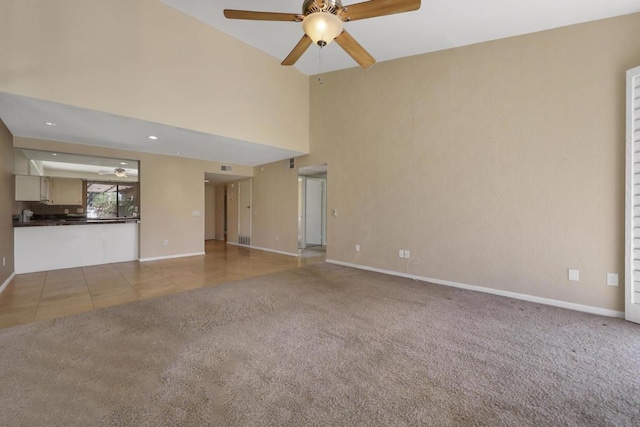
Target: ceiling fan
[[119, 172], [322, 22]]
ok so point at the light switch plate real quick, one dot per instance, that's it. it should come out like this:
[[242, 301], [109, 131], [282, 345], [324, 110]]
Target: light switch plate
[[574, 275], [401, 253]]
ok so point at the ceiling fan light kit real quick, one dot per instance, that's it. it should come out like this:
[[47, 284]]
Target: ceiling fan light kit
[[322, 27], [119, 172], [322, 22]]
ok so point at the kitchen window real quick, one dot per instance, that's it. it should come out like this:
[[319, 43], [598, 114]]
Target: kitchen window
[[112, 199]]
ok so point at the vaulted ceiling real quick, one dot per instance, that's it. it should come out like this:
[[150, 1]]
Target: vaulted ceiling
[[437, 25]]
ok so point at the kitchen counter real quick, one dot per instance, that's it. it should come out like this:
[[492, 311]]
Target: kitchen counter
[[57, 222], [41, 248]]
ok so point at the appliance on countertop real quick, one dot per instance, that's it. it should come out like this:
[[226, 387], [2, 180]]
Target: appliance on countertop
[[26, 215]]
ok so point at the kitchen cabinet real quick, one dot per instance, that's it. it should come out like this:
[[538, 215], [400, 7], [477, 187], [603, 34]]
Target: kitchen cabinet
[[27, 188], [66, 191], [48, 190]]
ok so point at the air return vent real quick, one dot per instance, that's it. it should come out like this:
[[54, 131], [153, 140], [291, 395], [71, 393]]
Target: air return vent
[[226, 168]]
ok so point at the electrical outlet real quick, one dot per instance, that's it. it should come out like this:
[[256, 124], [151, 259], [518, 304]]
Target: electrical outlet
[[79, 210], [574, 275], [166, 243], [612, 279], [401, 253], [66, 211], [407, 254], [357, 247]]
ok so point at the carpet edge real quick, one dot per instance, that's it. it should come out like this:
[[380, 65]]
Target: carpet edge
[[524, 297]]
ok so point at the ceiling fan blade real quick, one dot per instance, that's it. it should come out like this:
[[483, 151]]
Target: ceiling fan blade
[[297, 51], [262, 16], [373, 8], [353, 48]]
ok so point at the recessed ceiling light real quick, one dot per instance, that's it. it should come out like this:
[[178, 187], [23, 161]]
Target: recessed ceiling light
[[206, 180], [49, 123], [54, 154], [123, 163], [177, 152], [152, 137]]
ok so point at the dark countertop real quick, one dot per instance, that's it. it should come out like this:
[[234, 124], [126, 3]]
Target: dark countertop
[[56, 222]]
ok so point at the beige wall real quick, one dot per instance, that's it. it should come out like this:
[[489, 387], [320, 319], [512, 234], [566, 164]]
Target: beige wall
[[275, 207], [219, 191], [171, 188], [498, 165], [6, 202], [209, 212], [145, 60]]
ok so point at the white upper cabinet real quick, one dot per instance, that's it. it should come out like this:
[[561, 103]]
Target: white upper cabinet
[[27, 188]]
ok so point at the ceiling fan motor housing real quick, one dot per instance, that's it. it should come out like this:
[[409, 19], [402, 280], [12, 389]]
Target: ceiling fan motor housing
[[331, 6]]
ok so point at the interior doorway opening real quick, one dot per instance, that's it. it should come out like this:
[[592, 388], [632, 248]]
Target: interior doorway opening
[[312, 210], [215, 205]]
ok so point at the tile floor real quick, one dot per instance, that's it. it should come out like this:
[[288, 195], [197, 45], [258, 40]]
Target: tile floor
[[47, 295]]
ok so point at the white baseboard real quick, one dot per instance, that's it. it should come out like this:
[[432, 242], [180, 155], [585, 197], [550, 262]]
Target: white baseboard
[[6, 282], [264, 249], [514, 295], [158, 258]]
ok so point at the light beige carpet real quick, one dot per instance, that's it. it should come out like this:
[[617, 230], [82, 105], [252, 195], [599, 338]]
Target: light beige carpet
[[323, 345]]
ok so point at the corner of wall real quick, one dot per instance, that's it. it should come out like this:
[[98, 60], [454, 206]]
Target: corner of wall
[[7, 198]]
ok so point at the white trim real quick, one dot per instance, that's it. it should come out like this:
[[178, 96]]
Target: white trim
[[158, 258], [6, 282], [515, 295], [264, 249]]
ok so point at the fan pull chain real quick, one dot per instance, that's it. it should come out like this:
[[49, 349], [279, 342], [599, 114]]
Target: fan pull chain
[[320, 74]]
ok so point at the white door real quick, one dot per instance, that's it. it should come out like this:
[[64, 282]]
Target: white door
[[314, 213], [632, 191]]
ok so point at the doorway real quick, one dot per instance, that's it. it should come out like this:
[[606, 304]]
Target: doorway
[[244, 212], [215, 204], [312, 210]]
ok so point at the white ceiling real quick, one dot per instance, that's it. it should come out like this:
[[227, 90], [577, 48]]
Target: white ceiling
[[76, 167], [64, 161], [438, 25], [26, 117]]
